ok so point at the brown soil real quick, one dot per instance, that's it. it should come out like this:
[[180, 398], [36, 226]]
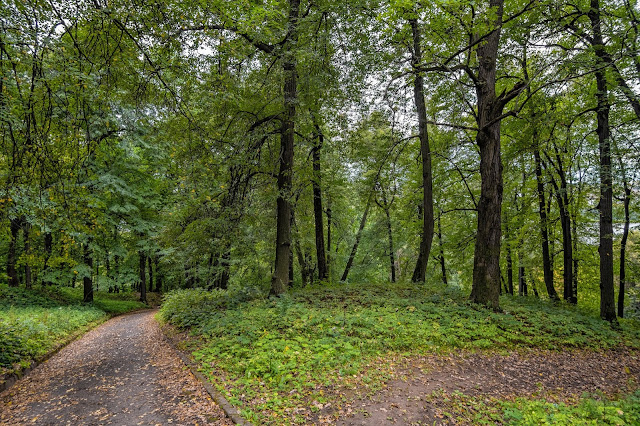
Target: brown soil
[[408, 398], [122, 372]]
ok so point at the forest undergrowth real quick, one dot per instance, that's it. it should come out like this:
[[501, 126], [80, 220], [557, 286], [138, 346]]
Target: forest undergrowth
[[282, 359]]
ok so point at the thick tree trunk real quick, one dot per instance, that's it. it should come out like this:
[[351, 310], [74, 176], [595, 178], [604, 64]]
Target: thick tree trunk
[[607, 298], [12, 272], [544, 229], [352, 256], [419, 273], [623, 247], [280, 279], [87, 282], [142, 276], [149, 261], [317, 206], [485, 288]]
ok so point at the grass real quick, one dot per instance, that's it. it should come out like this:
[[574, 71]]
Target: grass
[[34, 322], [271, 356]]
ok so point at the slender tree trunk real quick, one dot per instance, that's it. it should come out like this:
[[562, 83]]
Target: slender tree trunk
[[392, 259], [509, 258], [156, 261], [544, 228], [522, 280], [26, 227], [87, 282], [623, 245], [12, 272], [419, 273], [352, 256], [280, 279], [329, 219], [486, 261], [317, 205], [607, 298], [142, 276], [443, 267], [150, 261], [48, 248]]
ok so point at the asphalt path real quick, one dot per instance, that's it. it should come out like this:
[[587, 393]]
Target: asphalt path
[[121, 373]]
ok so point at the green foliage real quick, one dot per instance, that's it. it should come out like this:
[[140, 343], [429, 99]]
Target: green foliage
[[33, 322], [324, 335], [590, 409]]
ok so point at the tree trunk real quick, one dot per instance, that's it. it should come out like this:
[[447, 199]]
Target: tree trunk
[[156, 261], [352, 256], [87, 282], [149, 261], [26, 227], [522, 281], [443, 267], [280, 279], [142, 276], [12, 272], [544, 229], [48, 248], [419, 273], [509, 258], [607, 298], [623, 244], [392, 259], [485, 288], [317, 205], [329, 219]]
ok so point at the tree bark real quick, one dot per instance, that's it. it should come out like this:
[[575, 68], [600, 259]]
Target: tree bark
[[485, 288], [317, 205], [509, 258], [280, 279], [48, 248], [385, 206], [562, 197], [86, 281], [623, 244], [352, 256], [329, 219], [607, 298], [443, 266], [149, 261], [142, 276], [156, 261], [544, 229], [12, 272], [419, 273]]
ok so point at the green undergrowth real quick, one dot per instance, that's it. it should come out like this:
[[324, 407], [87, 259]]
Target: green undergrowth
[[593, 409], [278, 355], [34, 322]]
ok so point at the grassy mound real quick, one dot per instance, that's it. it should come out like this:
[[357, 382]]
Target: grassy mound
[[33, 322], [279, 353]]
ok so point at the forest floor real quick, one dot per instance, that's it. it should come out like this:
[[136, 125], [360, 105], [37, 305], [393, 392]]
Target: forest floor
[[122, 372], [451, 389]]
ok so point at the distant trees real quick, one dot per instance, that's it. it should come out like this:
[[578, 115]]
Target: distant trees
[[157, 143]]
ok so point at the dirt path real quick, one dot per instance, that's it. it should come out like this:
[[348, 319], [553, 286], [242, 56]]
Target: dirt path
[[122, 372], [408, 399]]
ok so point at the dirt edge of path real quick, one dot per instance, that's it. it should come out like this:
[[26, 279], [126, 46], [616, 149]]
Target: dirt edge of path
[[171, 335]]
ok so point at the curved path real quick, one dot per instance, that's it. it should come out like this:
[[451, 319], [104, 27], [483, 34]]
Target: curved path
[[122, 373]]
